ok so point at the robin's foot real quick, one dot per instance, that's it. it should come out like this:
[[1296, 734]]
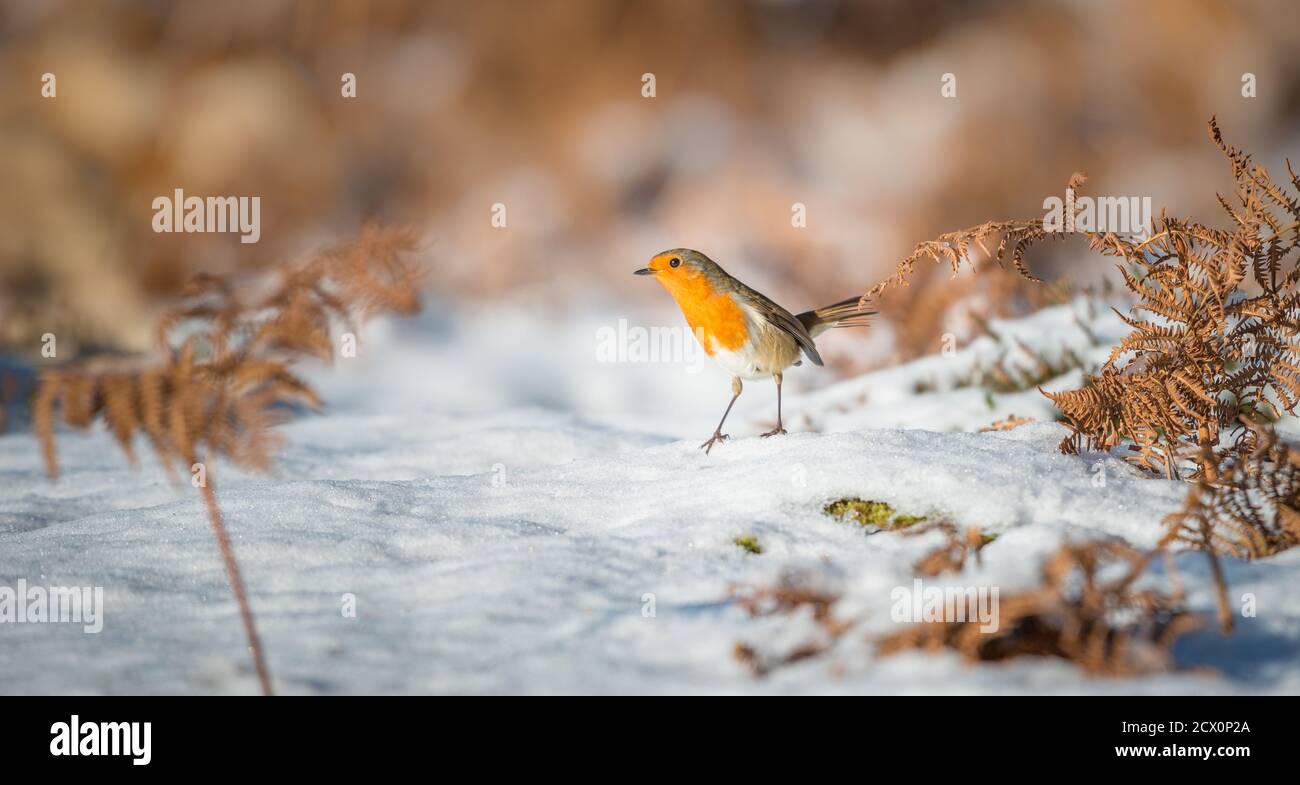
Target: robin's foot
[[778, 430], [718, 436]]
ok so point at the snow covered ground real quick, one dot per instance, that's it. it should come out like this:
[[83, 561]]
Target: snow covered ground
[[510, 514]]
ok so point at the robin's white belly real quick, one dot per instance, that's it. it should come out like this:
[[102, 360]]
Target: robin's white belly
[[742, 362]]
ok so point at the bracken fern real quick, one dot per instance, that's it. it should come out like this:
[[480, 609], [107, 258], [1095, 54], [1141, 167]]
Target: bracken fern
[[225, 376]]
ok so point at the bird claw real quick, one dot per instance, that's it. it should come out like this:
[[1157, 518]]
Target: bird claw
[[777, 431], [717, 436]]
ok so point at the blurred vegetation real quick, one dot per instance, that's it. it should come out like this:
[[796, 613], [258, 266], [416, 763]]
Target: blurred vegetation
[[539, 106]]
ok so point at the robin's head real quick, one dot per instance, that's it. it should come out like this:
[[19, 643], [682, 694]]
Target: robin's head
[[678, 264]]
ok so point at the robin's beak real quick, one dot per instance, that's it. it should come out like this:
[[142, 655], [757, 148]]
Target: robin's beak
[[644, 271]]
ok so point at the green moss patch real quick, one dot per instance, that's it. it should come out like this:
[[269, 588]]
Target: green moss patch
[[749, 544], [903, 521], [870, 513]]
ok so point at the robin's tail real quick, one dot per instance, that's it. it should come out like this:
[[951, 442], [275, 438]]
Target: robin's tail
[[846, 313]]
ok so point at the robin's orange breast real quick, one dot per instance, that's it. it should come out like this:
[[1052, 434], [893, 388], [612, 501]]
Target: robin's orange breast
[[712, 314]]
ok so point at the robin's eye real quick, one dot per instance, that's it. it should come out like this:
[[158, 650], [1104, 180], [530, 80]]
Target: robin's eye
[[674, 262]]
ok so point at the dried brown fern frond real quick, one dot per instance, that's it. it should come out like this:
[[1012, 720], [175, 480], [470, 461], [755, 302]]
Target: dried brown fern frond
[[761, 664], [1214, 341], [344, 285], [373, 275], [1246, 507], [1088, 609], [226, 379], [1213, 352], [186, 409], [951, 556], [1214, 328], [1008, 423], [1010, 240], [974, 297], [1099, 622], [999, 241], [791, 593], [1218, 353]]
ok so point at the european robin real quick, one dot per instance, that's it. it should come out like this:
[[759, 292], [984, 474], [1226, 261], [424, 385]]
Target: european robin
[[746, 333]]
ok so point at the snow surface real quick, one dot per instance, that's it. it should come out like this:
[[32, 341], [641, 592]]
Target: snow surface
[[507, 511]]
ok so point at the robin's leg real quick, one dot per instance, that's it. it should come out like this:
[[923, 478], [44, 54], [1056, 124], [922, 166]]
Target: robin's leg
[[718, 435], [778, 428]]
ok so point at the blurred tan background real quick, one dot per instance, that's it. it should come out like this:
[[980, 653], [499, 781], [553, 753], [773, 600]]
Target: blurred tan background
[[539, 106]]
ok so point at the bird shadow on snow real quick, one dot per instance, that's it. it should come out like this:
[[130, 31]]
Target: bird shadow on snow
[[1247, 655], [1252, 653]]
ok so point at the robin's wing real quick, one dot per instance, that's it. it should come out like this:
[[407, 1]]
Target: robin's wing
[[784, 321]]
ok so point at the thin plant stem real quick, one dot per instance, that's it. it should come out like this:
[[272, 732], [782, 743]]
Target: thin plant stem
[[236, 584], [1220, 585]]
